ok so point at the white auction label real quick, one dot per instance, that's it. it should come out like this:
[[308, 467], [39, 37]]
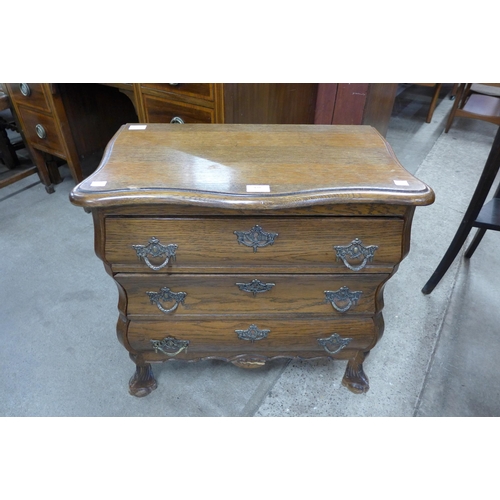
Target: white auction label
[[401, 183], [98, 183], [137, 127], [258, 188]]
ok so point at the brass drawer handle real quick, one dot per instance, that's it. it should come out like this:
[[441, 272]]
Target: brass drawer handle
[[155, 249], [343, 294], [174, 84], [40, 131], [255, 238], [252, 333], [170, 346], [166, 295], [177, 119], [355, 251], [25, 89], [335, 341], [255, 287]]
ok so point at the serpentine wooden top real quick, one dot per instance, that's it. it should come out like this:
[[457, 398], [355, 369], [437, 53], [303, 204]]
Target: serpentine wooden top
[[261, 167]]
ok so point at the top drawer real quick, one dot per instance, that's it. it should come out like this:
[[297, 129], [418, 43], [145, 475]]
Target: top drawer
[[29, 94], [199, 90], [246, 244]]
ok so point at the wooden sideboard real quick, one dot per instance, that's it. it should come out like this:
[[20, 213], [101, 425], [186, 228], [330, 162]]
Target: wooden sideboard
[[264, 103], [69, 122], [250, 242], [65, 123]]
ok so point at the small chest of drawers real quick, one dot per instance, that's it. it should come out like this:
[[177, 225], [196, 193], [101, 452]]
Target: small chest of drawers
[[250, 242]]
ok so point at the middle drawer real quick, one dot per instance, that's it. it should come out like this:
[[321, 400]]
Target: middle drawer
[[185, 296]]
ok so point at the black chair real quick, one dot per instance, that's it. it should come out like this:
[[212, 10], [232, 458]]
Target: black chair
[[478, 214]]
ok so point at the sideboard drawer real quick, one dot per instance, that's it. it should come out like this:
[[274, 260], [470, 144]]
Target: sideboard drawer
[[307, 244], [262, 336], [198, 90], [41, 130], [165, 111], [178, 296], [29, 94]]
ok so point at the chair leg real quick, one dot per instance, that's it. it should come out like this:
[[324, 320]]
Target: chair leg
[[449, 257], [483, 187], [454, 108], [474, 243], [433, 102]]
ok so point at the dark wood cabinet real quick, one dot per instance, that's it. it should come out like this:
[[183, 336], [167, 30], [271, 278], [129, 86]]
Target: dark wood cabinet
[[250, 242]]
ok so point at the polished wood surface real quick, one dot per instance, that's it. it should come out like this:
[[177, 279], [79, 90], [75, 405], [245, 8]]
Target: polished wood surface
[[212, 166], [208, 269]]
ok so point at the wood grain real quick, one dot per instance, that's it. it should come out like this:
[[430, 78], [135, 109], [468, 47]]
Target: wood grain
[[209, 295], [218, 336], [212, 165], [211, 243], [37, 98]]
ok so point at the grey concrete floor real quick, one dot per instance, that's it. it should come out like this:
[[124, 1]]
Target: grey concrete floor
[[58, 310]]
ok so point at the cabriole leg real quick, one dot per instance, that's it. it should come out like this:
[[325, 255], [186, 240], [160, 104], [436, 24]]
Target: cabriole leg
[[354, 378], [143, 382]]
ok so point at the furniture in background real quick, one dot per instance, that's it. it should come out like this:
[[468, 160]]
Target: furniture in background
[[355, 104], [434, 98], [480, 101], [63, 123], [250, 242], [15, 170], [69, 122], [264, 103], [478, 214]]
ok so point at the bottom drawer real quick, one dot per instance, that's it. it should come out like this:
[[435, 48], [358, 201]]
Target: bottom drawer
[[270, 338]]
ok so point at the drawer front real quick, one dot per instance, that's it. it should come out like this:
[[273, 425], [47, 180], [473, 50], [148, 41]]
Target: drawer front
[[165, 111], [263, 336], [33, 96], [198, 90], [41, 130], [289, 245], [173, 297]]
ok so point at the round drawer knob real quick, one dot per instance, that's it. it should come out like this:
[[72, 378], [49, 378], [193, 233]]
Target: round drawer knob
[[40, 131], [176, 119], [25, 89]]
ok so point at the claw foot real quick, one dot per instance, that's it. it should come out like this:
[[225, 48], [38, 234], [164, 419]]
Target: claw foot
[[355, 378], [143, 382]]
